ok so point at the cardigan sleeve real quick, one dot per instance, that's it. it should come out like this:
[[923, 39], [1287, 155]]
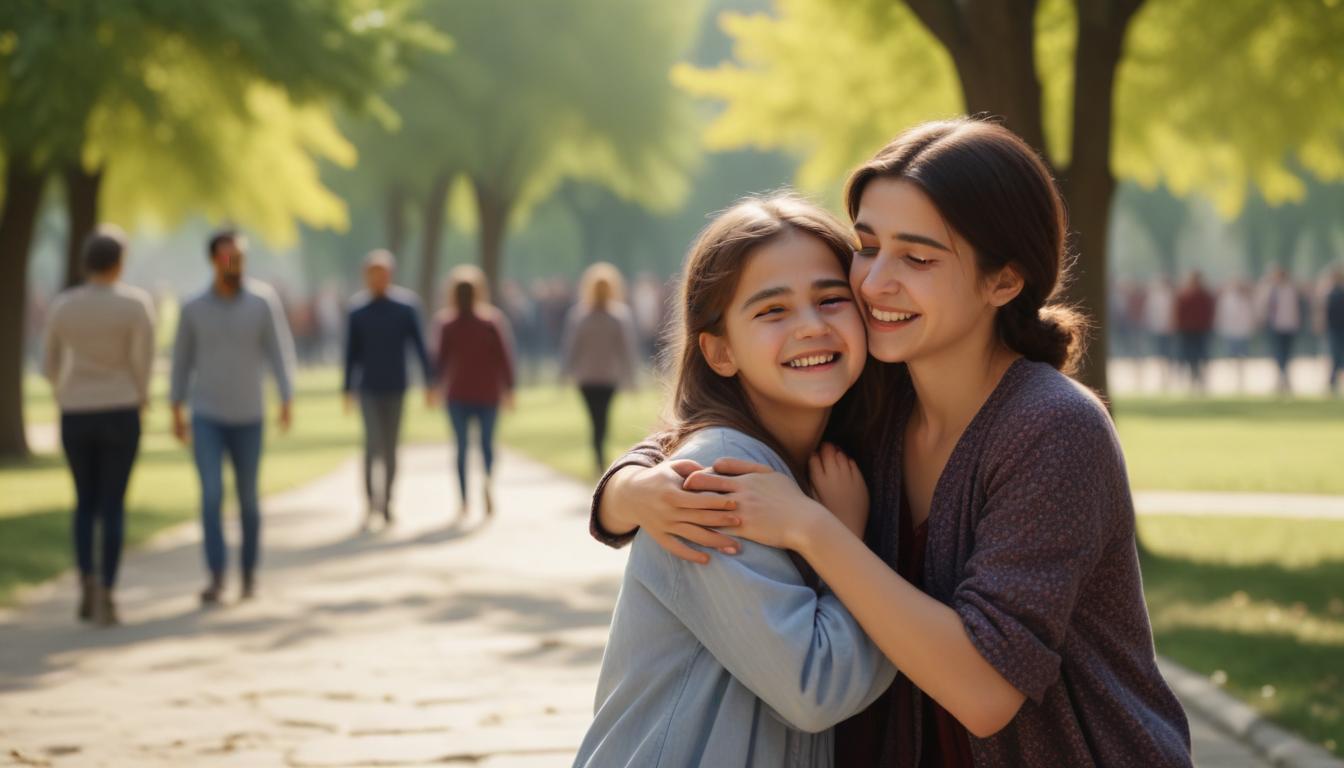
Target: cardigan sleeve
[[1054, 488], [644, 454]]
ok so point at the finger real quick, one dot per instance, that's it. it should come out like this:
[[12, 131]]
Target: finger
[[694, 500], [816, 466], [677, 548], [708, 519], [739, 467], [684, 467], [704, 480], [706, 538]]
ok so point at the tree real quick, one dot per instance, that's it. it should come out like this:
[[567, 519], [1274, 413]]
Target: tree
[[533, 94], [74, 74], [1101, 87]]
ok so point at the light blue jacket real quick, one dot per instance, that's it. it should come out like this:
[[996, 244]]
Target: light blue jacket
[[733, 664]]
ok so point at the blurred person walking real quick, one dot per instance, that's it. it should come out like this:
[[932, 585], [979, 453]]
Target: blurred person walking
[[474, 370], [1281, 308], [379, 333], [1160, 321], [1334, 328], [600, 347], [227, 336], [98, 354], [1194, 324], [1234, 319]]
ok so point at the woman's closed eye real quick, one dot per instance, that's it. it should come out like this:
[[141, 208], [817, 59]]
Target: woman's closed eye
[[917, 261]]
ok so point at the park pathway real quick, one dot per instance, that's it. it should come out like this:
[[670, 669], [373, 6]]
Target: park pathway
[[427, 644]]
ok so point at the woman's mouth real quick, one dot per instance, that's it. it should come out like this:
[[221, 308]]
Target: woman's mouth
[[890, 318]]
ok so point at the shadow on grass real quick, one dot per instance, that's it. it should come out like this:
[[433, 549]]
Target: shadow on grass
[[1305, 679]]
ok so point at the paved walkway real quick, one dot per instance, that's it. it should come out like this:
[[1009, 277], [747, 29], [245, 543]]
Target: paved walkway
[[427, 644]]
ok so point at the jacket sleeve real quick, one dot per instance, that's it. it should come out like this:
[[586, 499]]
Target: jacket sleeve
[[645, 454], [801, 652]]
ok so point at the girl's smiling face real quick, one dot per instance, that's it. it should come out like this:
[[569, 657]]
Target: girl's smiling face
[[916, 280], [792, 333]]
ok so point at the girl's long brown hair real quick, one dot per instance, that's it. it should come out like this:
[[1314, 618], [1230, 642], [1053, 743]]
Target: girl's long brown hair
[[702, 398]]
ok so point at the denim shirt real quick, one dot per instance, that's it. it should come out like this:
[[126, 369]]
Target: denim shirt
[[734, 663]]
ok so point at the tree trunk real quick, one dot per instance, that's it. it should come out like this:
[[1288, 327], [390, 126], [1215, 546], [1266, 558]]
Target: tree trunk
[[494, 209], [18, 218], [81, 200], [394, 222], [435, 204]]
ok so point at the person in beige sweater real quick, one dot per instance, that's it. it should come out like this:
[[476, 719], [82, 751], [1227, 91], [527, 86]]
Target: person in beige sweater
[[98, 353]]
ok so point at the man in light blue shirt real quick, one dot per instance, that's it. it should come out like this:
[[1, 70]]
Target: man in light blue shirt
[[227, 336]]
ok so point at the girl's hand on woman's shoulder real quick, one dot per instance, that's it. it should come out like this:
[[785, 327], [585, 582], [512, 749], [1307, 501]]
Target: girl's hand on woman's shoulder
[[772, 509], [840, 487]]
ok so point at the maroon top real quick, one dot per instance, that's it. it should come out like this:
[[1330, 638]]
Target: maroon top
[[474, 360], [1194, 310], [1031, 541]]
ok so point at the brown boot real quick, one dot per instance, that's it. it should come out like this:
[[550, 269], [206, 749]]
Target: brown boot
[[213, 592], [105, 609], [88, 590]]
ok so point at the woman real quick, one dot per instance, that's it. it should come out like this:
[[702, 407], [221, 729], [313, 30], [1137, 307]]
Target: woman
[[598, 350], [1003, 580], [98, 354], [474, 368]]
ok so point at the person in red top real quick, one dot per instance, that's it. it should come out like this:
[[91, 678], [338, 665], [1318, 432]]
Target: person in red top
[[1194, 323], [474, 371]]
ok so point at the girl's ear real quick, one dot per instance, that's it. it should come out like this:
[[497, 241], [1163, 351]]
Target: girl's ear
[[1005, 286], [718, 354]]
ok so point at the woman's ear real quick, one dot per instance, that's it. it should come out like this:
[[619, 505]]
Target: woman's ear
[[718, 354], [1005, 286]]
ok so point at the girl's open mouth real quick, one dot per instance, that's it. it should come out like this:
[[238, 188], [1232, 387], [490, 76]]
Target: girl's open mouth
[[819, 361]]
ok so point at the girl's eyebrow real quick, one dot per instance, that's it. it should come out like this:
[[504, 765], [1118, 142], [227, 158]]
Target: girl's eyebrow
[[908, 237], [781, 290]]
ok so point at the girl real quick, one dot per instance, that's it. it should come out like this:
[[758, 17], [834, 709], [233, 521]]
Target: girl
[[742, 662], [598, 349], [1004, 581]]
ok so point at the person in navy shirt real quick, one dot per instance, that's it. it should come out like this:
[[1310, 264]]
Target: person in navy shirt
[[383, 323]]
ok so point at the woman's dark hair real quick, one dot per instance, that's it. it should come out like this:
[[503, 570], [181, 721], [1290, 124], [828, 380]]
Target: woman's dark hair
[[702, 398], [103, 249], [996, 192]]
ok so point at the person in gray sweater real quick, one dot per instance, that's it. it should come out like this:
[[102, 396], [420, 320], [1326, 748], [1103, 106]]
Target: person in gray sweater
[[98, 353], [227, 337], [599, 350]]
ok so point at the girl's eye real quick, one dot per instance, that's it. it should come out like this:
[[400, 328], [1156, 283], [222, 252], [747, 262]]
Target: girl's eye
[[831, 301], [770, 311], [867, 252]]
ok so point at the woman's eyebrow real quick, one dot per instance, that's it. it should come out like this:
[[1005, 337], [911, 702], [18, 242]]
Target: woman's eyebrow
[[908, 237]]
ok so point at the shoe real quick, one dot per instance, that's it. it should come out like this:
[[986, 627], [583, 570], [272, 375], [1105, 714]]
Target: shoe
[[105, 610], [387, 513], [249, 585], [88, 590], [213, 593], [489, 503]]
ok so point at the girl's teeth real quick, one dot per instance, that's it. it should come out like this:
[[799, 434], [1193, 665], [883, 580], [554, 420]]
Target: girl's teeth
[[890, 317], [807, 362]]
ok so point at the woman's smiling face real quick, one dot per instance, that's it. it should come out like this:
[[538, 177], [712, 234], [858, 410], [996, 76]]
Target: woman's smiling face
[[916, 280]]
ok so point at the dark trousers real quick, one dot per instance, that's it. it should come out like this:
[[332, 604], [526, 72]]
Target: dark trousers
[[597, 397], [100, 447], [1336, 357], [382, 431], [210, 441], [460, 415], [1195, 354]]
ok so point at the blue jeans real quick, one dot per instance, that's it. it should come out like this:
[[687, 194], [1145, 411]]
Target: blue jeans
[[210, 440], [460, 416]]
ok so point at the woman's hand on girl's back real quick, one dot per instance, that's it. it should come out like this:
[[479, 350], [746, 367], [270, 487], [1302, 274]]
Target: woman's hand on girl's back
[[772, 509], [653, 499], [840, 487]]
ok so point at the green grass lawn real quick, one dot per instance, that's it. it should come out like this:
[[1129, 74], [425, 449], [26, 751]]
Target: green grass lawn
[[1259, 603]]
